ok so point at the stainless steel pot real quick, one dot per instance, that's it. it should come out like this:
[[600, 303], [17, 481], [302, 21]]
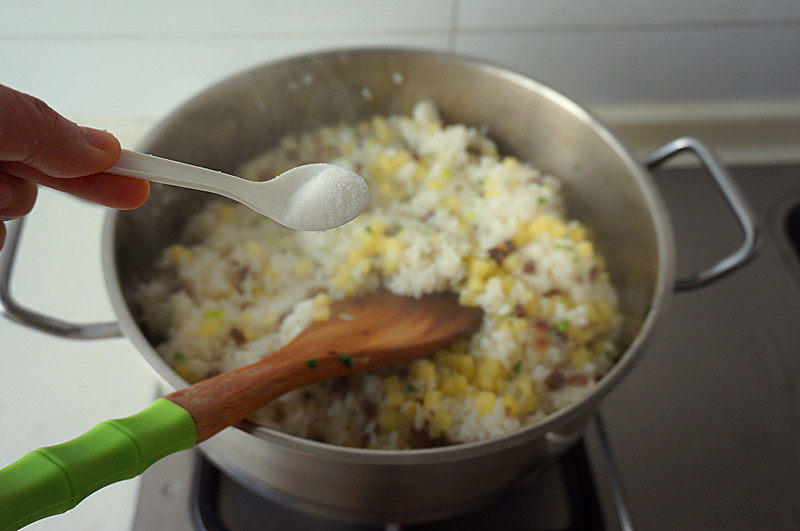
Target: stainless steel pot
[[245, 115]]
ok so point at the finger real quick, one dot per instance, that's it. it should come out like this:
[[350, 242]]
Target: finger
[[17, 197], [113, 191], [34, 134]]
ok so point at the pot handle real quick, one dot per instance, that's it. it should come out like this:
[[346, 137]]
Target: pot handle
[[25, 316], [749, 247]]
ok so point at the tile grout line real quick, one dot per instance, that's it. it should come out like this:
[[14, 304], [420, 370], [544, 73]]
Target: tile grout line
[[451, 34], [209, 36], [634, 28]]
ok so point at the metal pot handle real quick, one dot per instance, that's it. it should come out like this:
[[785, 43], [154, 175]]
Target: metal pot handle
[[17, 313], [749, 247]]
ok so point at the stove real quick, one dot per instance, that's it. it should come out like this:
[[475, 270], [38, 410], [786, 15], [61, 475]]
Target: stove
[[187, 491], [704, 433]]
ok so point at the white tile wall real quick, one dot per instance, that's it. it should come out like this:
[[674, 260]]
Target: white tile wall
[[576, 15], [96, 57], [652, 66], [232, 18]]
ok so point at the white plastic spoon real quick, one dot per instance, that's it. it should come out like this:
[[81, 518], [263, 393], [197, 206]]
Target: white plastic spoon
[[308, 197]]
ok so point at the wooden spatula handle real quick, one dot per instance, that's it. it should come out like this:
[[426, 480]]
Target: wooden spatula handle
[[226, 399], [381, 330]]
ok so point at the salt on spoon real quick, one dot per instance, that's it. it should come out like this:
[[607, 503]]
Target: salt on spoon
[[334, 196], [309, 197]]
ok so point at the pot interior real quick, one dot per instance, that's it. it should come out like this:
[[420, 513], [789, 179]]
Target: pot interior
[[240, 118]]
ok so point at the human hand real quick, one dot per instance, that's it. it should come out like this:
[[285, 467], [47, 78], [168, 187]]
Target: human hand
[[39, 146]]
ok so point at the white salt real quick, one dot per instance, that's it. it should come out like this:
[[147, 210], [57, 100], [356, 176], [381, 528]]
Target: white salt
[[331, 198]]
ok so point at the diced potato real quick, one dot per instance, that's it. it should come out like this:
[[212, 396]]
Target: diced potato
[[440, 422], [584, 249], [490, 372], [431, 399], [484, 403], [179, 254], [475, 284], [394, 398], [320, 307], [507, 281], [491, 191], [321, 314], [451, 203], [511, 405], [208, 326], [407, 412], [354, 254], [533, 307], [377, 226], [253, 248], [579, 335], [392, 383], [437, 183], [518, 325], [510, 162], [482, 268], [270, 319], [513, 262], [468, 216], [393, 246], [546, 224], [467, 298], [454, 385], [388, 418], [304, 266], [523, 387], [424, 370], [344, 281], [577, 233], [321, 300], [579, 357], [464, 364]]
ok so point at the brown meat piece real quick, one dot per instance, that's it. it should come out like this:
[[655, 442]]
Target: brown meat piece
[[540, 335], [370, 408], [578, 379], [529, 267], [238, 336], [555, 380], [499, 253]]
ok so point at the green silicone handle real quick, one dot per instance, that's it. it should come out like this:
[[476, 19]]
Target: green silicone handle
[[55, 479]]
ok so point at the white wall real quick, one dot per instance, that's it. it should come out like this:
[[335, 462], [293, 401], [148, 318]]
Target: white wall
[[143, 58]]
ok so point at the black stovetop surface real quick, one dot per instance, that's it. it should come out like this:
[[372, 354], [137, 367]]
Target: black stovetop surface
[[560, 495]]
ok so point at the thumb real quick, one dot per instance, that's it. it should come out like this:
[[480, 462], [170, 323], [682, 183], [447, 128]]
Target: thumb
[[36, 135]]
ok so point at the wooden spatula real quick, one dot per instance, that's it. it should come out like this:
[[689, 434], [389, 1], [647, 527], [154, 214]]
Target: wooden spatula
[[363, 333]]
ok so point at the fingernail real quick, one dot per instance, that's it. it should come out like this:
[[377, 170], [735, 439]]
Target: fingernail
[[6, 196], [100, 139]]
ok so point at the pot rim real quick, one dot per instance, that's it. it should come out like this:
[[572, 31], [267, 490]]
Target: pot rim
[[662, 293]]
